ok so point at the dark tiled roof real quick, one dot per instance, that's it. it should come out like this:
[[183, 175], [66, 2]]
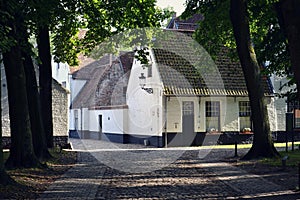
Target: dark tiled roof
[[86, 97], [87, 71], [186, 71], [189, 24], [102, 77]]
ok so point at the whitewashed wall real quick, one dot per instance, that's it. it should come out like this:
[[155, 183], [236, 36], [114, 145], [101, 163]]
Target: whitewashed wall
[[60, 72], [145, 114], [229, 113], [280, 103], [86, 117], [75, 87], [113, 121]]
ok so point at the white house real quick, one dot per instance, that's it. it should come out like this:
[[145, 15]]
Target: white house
[[180, 98]]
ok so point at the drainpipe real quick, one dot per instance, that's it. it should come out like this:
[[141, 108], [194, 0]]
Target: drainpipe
[[81, 122], [166, 119]]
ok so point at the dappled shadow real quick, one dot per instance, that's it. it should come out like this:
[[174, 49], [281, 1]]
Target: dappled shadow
[[188, 177]]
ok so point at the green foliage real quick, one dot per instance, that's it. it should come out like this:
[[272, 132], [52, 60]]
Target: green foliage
[[7, 10], [293, 159], [216, 24], [268, 38], [100, 20]]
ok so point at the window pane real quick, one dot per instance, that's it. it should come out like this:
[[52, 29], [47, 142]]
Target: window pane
[[244, 109], [212, 116], [212, 109], [297, 118]]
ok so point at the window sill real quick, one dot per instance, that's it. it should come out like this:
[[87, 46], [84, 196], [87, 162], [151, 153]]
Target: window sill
[[246, 132]]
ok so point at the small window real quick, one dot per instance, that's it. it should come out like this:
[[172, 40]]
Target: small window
[[244, 109], [124, 93], [245, 116], [212, 112], [64, 83], [297, 118], [212, 109], [149, 70]]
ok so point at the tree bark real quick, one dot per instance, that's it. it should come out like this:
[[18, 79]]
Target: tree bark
[[4, 178], [262, 142], [37, 128], [45, 81], [289, 18], [21, 151]]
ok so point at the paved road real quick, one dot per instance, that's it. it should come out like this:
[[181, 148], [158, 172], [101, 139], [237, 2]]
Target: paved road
[[116, 171]]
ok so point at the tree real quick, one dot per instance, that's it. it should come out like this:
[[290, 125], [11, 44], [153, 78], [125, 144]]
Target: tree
[[262, 143], [45, 78], [21, 152], [101, 20], [289, 19], [232, 29], [34, 105], [4, 178], [99, 17]]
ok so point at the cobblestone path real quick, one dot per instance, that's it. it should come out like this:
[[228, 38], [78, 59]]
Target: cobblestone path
[[161, 174]]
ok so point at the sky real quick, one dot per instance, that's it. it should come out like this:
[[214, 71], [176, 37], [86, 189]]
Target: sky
[[178, 5]]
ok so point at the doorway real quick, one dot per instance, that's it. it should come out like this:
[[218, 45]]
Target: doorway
[[188, 124]]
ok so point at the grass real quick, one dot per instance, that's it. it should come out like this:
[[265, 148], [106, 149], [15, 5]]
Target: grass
[[292, 161], [29, 183], [247, 146]]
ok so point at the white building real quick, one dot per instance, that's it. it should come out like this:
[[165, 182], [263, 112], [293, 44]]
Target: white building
[[180, 98]]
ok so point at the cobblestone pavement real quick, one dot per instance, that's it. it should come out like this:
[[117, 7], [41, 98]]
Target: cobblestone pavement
[[115, 171]]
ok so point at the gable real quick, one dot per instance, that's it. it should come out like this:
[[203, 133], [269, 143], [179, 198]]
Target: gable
[[105, 80]]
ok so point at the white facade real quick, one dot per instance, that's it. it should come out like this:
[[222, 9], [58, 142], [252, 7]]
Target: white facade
[[75, 87], [229, 113], [145, 114], [60, 72], [280, 102], [148, 113]]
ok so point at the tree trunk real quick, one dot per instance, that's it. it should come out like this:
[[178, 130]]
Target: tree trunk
[[262, 143], [4, 178], [289, 18], [21, 151], [45, 81], [37, 129]]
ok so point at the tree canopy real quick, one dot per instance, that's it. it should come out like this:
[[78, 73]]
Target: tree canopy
[[20, 21], [244, 27]]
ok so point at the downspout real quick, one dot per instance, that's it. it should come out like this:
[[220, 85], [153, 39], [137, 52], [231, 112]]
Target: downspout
[[81, 122], [166, 120]]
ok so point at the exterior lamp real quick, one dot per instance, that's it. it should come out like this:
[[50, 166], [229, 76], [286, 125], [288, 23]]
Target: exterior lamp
[[143, 84]]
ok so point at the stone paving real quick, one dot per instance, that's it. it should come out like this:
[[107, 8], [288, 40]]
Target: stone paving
[[117, 171]]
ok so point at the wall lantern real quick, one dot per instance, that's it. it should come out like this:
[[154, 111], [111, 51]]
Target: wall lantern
[[142, 79]]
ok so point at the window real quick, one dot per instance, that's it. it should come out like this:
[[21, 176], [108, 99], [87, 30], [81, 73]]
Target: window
[[212, 113], [188, 108], [244, 109], [245, 116], [297, 118], [124, 94], [212, 109], [76, 119], [149, 67], [64, 84], [294, 107]]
